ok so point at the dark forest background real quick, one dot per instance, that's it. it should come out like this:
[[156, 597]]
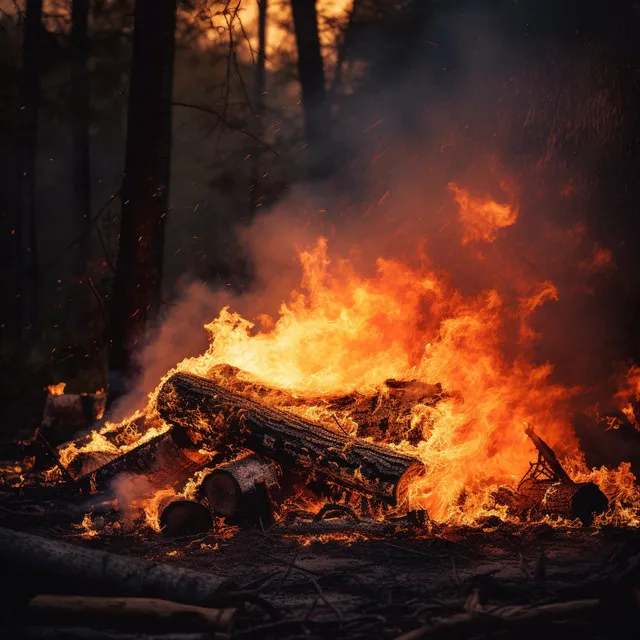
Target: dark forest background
[[138, 139]]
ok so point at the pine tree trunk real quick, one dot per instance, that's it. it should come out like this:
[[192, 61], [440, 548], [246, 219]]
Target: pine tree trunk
[[314, 95], [258, 99], [80, 130], [138, 280], [26, 244]]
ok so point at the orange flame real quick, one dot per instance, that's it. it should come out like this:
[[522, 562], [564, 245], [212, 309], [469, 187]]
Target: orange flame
[[343, 332], [482, 218], [57, 389]]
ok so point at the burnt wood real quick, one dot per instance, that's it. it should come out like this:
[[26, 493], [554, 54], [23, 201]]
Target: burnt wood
[[41, 565], [166, 458], [180, 517], [313, 450], [563, 498], [244, 490]]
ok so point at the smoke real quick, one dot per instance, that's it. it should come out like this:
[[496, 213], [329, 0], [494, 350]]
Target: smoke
[[525, 125]]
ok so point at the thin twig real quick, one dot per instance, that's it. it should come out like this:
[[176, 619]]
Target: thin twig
[[226, 122]]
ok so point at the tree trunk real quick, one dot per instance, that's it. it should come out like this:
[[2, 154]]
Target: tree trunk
[[138, 279], [258, 99], [314, 95], [80, 131], [295, 443], [26, 241]]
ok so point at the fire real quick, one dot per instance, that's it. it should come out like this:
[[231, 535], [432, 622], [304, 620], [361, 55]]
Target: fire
[[482, 218], [629, 394], [343, 332], [57, 389]]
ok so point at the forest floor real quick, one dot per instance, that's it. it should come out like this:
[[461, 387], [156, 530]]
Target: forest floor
[[500, 581]]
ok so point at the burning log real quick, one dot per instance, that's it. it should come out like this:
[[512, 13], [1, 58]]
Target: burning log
[[88, 461], [309, 448], [184, 518], [165, 458], [383, 416], [143, 614], [243, 490], [565, 498], [547, 489], [55, 567]]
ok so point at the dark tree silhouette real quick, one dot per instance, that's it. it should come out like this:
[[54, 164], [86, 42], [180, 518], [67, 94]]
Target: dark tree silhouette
[[144, 196], [26, 240], [314, 96], [80, 129], [258, 95]]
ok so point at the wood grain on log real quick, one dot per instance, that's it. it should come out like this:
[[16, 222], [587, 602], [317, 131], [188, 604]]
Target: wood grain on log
[[309, 448], [43, 565]]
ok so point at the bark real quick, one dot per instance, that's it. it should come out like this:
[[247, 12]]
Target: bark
[[80, 130], [138, 279], [26, 240], [314, 96], [243, 490], [131, 613], [295, 443], [50, 566]]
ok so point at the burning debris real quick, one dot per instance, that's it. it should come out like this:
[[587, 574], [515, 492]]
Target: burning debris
[[225, 451]]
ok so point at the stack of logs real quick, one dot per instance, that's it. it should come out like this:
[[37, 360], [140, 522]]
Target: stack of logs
[[268, 453]]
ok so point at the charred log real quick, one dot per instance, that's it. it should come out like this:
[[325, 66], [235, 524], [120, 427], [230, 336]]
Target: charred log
[[166, 458], [50, 566], [181, 518], [547, 489], [382, 416], [244, 490], [192, 402], [87, 462], [566, 499]]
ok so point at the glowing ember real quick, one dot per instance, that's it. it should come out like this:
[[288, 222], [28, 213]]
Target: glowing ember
[[57, 389]]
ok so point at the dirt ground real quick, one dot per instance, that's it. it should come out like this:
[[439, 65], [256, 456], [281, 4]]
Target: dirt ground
[[502, 580]]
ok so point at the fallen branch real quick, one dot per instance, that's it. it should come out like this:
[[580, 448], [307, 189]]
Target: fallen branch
[[43, 565], [130, 613], [504, 618]]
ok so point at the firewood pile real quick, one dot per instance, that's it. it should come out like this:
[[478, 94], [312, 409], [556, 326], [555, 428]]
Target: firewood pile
[[247, 451], [265, 477]]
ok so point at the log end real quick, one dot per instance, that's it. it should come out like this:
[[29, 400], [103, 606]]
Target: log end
[[413, 473], [185, 518], [588, 502]]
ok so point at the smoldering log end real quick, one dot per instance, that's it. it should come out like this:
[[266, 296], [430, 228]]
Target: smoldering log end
[[185, 518]]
